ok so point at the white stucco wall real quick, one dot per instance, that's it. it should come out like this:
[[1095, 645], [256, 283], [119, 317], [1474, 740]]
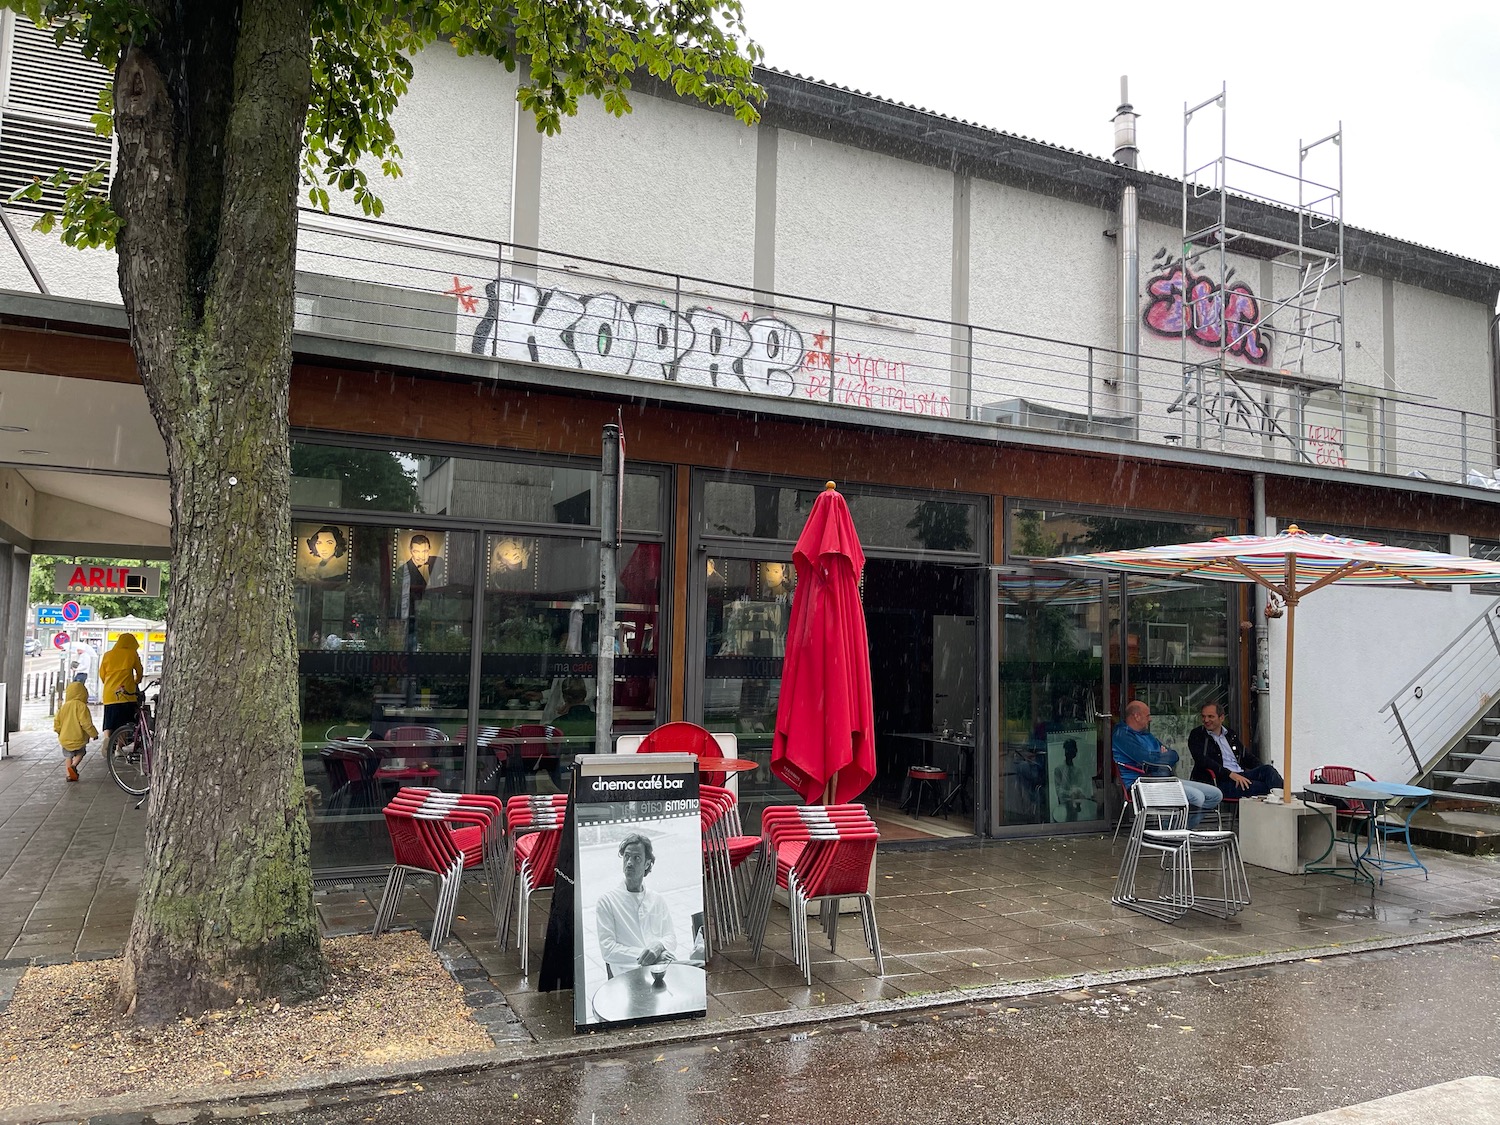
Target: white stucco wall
[[1043, 267], [87, 274], [860, 228], [667, 187], [456, 128], [1355, 649]]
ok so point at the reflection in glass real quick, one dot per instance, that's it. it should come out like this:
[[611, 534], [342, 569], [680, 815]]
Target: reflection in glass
[[1053, 638], [1036, 532], [384, 681], [767, 511], [539, 655], [330, 476]]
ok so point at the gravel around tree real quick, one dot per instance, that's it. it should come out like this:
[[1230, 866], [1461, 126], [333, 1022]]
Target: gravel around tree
[[390, 1000]]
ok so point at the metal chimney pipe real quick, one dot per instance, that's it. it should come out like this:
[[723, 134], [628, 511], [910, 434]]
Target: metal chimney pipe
[[1128, 337]]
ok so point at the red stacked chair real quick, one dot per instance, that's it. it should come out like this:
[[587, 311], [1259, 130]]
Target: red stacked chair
[[442, 834], [724, 850], [816, 853], [535, 842]]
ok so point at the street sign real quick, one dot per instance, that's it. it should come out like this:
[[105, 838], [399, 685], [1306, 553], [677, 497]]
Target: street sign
[[51, 616], [132, 581], [60, 641], [71, 611]]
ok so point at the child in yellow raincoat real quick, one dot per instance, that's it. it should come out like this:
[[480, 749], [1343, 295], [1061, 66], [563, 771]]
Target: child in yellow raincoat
[[74, 726]]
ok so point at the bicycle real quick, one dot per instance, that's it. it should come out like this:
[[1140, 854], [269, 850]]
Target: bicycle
[[132, 747]]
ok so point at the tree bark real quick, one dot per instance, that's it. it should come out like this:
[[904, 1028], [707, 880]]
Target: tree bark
[[209, 110]]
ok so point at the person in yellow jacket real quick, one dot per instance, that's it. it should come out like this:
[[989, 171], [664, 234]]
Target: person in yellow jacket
[[120, 675], [74, 726]]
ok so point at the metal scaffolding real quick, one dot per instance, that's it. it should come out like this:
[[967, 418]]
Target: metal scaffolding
[[1301, 311]]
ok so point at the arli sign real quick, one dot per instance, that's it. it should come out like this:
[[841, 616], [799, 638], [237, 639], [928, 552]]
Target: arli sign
[[136, 581]]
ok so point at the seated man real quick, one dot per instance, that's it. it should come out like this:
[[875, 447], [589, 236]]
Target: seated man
[[635, 927], [1139, 753], [1219, 758]]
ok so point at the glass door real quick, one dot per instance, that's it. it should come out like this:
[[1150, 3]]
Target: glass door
[[1176, 645], [1053, 679]]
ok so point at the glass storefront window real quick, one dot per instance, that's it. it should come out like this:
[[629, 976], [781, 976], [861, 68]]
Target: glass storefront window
[[539, 662], [744, 509], [1075, 649], [328, 476], [1053, 636], [749, 606], [1036, 532], [384, 623]]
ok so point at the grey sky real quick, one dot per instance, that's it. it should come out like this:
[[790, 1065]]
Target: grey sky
[[1416, 86]]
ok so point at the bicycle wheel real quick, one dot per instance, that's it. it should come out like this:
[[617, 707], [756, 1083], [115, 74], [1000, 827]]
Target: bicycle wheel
[[127, 761]]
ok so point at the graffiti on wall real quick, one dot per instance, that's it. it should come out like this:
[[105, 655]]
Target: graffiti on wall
[[1234, 409], [1179, 297], [872, 381], [701, 346]]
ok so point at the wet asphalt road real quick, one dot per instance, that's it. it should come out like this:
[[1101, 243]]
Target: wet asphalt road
[[1258, 1046]]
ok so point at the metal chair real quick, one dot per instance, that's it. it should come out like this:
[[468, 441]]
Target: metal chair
[[535, 825], [1160, 828]]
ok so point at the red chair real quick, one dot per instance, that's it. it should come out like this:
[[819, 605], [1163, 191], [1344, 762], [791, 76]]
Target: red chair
[[1358, 813], [921, 779], [468, 829], [822, 854], [684, 738], [414, 734], [409, 742], [541, 748], [1229, 802], [725, 849], [1118, 773], [536, 841]]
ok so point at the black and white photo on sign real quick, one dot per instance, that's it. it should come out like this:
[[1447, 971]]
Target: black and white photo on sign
[[640, 879], [322, 551]]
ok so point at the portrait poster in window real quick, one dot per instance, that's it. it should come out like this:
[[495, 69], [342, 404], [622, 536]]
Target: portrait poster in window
[[639, 945], [511, 559], [322, 551], [421, 563], [1072, 763]]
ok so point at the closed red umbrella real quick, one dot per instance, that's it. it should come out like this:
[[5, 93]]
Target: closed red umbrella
[[824, 746]]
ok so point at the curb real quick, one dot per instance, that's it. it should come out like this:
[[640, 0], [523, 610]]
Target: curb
[[287, 1095]]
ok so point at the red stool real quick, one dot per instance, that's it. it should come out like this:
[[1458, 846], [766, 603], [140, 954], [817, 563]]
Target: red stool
[[921, 778]]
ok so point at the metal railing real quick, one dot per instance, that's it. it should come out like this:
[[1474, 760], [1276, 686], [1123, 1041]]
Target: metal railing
[[445, 292], [1440, 704]]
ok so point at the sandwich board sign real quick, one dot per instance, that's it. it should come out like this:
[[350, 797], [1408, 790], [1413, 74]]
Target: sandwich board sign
[[637, 903]]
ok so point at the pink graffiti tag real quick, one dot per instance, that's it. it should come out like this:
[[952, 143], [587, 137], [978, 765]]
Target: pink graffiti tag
[[1211, 311]]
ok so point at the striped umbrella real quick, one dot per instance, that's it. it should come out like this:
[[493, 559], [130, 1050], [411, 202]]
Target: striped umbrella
[[1291, 566]]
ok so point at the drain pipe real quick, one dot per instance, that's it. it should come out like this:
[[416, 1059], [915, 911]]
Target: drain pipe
[[1128, 337], [1260, 682]]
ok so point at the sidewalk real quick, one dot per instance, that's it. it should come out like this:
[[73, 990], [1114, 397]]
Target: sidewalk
[[955, 918]]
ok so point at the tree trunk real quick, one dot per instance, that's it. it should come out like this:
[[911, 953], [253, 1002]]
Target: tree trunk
[[210, 106]]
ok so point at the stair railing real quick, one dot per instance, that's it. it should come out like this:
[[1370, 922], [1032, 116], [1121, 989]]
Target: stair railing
[[1440, 705]]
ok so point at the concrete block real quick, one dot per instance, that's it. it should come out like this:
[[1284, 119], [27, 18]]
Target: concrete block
[[1282, 837]]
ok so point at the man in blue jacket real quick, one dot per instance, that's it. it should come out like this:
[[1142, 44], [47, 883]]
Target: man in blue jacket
[[1140, 753]]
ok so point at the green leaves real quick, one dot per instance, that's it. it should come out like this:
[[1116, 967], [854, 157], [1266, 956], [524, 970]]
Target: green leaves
[[86, 219]]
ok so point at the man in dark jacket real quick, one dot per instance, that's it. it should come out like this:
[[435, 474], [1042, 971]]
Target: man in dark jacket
[[1220, 758]]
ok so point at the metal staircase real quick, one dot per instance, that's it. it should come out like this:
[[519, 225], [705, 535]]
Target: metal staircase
[[1447, 718], [1471, 770]]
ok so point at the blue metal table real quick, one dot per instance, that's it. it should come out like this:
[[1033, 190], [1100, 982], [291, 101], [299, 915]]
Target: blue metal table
[[1382, 830], [1376, 797]]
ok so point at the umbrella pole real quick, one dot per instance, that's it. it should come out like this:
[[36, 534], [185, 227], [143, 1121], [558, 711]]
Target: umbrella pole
[[1286, 706]]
